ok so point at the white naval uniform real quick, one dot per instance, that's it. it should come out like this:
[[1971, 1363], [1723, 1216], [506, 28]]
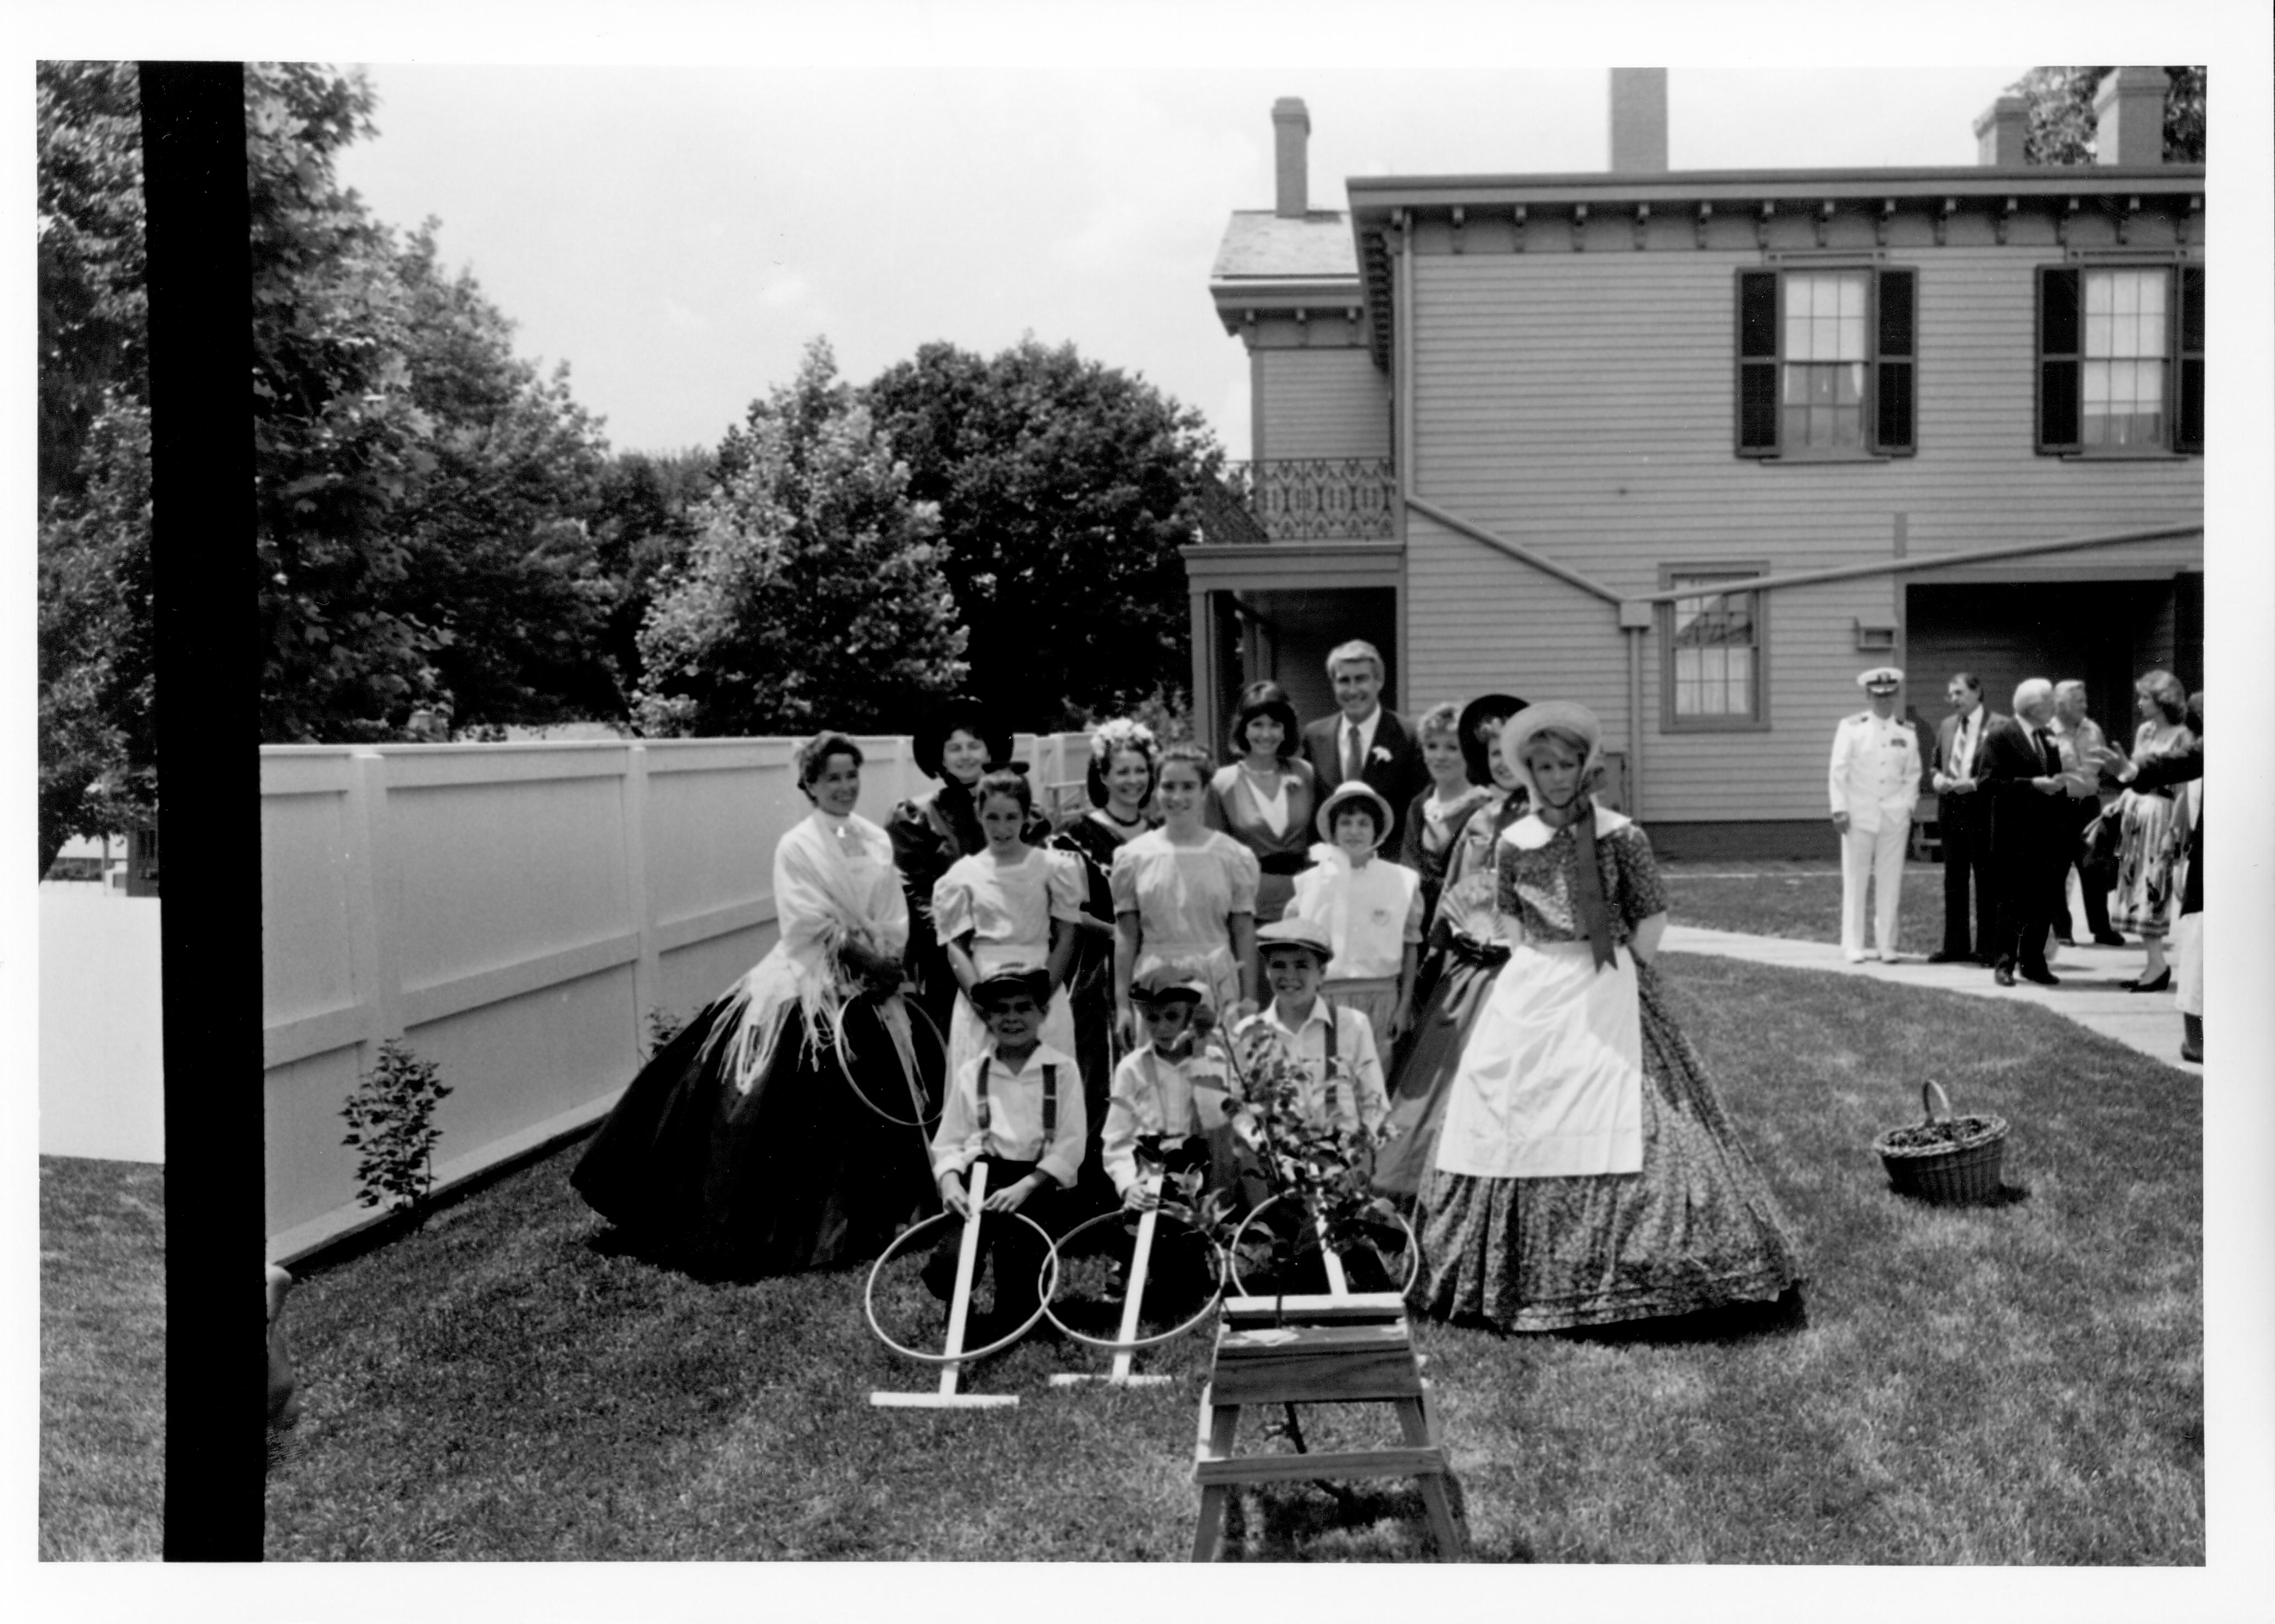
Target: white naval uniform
[[1875, 779]]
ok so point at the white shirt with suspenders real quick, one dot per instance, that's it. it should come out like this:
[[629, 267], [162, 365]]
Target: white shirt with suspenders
[[1336, 1044], [1031, 1113]]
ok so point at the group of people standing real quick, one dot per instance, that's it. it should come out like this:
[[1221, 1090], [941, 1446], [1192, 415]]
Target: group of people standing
[[1438, 919], [2021, 801]]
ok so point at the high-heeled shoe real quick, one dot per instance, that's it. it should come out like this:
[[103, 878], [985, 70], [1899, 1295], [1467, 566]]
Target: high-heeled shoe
[[2162, 983]]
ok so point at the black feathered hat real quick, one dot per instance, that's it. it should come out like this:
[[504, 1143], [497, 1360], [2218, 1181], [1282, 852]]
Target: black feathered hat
[[1477, 755], [969, 715]]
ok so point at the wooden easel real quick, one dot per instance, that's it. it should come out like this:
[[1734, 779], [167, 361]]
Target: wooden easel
[[959, 1309], [1140, 1257], [1339, 1349]]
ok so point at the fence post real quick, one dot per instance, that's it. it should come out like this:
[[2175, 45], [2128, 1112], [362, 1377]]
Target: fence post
[[374, 903], [647, 968]]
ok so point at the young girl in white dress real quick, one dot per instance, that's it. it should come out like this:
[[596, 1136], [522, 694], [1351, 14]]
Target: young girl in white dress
[[1011, 903], [1370, 907]]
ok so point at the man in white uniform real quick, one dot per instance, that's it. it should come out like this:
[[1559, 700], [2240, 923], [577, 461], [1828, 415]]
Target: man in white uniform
[[1874, 781]]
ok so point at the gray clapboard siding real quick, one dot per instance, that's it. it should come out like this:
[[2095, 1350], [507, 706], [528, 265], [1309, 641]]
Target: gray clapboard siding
[[1328, 402], [1582, 405]]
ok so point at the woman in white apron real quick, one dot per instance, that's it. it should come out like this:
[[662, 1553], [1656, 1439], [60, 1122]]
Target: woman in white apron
[[1586, 1172]]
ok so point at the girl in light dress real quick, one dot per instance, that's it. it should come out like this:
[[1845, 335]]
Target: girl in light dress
[[1011, 903], [1183, 892], [1369, 907]]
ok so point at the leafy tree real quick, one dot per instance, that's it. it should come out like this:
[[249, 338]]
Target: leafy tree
[[2062, 123], [645, 522], [1065, 489], [812, 595]]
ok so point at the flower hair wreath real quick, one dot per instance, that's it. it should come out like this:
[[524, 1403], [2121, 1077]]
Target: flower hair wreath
[[1121, 733]]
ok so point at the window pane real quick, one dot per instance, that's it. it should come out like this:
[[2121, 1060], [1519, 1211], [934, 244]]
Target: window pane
[[1712, 660]]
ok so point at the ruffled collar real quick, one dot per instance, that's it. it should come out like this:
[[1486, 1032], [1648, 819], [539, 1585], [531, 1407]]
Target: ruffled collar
[[1529, 832]]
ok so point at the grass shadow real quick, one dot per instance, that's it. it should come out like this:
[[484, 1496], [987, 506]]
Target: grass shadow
[[1735, 1322]]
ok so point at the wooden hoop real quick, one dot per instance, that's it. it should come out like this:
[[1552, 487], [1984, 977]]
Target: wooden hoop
[[1109, 1345], [900, 1244], [1413, 1245]]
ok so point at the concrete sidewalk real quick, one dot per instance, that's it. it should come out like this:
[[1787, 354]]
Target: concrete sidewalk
[[2092, 991]]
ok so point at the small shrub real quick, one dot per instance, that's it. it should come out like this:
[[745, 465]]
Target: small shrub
[[662, 1026], [391, 1128]]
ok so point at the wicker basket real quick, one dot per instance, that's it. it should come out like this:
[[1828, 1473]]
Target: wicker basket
[[1957, 1172]]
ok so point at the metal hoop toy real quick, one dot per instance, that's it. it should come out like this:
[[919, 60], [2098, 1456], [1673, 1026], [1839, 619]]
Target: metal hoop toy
[[901, 1241], [837, 1054], [1413, 1245], [1107, 1344]]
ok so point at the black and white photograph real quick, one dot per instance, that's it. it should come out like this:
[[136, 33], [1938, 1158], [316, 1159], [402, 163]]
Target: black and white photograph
[[1184, 786]]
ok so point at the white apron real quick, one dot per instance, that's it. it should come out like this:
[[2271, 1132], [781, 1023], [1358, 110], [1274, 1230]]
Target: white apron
[[1551, 1083]]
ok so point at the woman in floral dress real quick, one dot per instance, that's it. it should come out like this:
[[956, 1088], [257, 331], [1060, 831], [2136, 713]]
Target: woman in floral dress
[[1586, 1172], [2152, 837]]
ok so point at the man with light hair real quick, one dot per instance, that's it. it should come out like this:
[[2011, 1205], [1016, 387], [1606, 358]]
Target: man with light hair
[[1366, 740], [1874, 783], [2091, 795], [2020, 768]]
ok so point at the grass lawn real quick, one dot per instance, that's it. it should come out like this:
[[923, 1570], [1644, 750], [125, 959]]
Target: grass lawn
[[102, 1359], [1800, 900], [2017, 1384]]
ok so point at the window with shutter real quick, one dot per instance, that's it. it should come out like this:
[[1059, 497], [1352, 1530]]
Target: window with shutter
[[2120, 359], [1826, 363]]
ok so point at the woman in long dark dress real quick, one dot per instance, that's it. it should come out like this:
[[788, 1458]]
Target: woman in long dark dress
[[929, 832], [1120, 782], [1586, 1170], [744, 1145], [1467, 949], [1435, 817]]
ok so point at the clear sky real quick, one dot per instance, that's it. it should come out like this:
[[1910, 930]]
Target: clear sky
[[677, 234]]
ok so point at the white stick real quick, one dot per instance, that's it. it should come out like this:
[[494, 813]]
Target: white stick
[[1140, 1260], [967, 1258], [1338, 1283]]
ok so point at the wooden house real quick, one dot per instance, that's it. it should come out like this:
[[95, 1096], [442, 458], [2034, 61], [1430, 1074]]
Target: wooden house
[[1694, 447]]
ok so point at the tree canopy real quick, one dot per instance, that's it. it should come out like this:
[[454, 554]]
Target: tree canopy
[[2062, 123], [1064, 489], [812, 594]]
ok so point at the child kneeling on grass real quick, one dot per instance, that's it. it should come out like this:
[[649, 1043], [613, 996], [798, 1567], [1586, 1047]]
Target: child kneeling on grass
[[1332, 1042], [1170, 1111], [1369, 907], [1018, 1107]]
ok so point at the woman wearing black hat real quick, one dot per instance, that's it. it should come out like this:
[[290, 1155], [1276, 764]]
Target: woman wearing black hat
[[1466, 951], [929, 832]]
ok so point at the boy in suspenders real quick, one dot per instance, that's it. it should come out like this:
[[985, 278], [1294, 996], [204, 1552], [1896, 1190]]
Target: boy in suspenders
[[1334, 1042], [1018, 1105]]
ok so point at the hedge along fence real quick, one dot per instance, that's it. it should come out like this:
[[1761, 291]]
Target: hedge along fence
[[513, 912]]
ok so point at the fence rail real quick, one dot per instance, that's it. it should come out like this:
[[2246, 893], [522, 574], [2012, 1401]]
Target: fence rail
[[514, 912]]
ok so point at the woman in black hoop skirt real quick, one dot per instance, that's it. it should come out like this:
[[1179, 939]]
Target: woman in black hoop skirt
[[744, 1147]]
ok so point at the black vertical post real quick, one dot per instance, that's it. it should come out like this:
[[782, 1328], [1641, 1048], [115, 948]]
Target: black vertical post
[[197, 233]]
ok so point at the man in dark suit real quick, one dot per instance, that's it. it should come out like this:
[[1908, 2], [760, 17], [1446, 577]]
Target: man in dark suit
[[1364, 740], [2021, 769], [1962, 815]]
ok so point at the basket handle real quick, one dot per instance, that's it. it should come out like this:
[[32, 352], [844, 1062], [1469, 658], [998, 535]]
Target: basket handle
[[1934, 1101]]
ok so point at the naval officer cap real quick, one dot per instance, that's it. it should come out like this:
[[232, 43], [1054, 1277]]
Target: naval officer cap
[[1881, 679]]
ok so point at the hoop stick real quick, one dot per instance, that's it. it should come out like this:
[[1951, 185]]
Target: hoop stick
[[959, 1310], [1132, 1303], [1338, 1283]]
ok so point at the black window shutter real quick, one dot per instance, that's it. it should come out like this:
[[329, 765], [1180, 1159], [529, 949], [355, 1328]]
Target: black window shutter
[[1758, 350], [2188, 435], [1892, 420], [2058, 358]]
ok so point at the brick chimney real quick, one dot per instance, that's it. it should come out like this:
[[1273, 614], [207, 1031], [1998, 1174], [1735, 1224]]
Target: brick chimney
[[1998, 133], [2129, 107], [1639, 121], [1291, 132]]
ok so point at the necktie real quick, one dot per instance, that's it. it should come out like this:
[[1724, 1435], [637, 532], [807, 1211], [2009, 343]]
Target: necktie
[[1353, 762], [2047, 758]]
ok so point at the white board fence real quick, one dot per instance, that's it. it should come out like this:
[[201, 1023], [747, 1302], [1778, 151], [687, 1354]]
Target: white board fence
[[514, 913]]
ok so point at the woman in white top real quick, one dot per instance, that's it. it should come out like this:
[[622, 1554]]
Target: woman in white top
[[1265, 799], [745, 1145]]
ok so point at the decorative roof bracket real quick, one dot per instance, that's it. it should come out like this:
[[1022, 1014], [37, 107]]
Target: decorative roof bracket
[[1705, 213], [1762, 222], [1642, 222], [1579, 227]]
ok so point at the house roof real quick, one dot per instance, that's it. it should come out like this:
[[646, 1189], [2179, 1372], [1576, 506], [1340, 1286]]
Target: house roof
[[1259, 243]]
